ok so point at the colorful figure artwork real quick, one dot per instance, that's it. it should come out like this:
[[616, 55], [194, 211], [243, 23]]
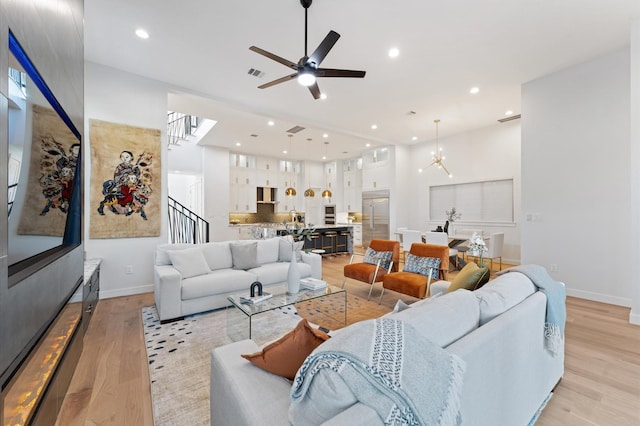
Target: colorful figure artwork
[[129, 190], [58, 169], [126, 178]]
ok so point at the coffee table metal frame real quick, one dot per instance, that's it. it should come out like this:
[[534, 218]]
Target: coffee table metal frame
[[281, 299]]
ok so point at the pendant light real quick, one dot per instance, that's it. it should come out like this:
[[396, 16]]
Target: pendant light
[[290, 191], [309, 193], [437, 157], [326, 193]]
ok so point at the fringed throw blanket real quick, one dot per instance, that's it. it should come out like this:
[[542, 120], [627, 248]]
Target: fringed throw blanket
[[386, 365], [556, 316]]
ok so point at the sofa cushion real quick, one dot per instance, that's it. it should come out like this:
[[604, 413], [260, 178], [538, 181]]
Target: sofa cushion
[[216, 282], [218, 255], [287, 246], [422, 265], [268, 250], [189, 262], [445, 319], [372, 256], [502, 293], [470, 277], [245, 255], [285, 355], [162, 252]]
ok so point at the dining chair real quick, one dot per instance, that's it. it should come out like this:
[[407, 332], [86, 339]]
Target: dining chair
[[410, 236], [442, 239]]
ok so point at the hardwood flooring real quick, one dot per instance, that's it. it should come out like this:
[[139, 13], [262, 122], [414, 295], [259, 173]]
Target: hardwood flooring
[[601, 384]]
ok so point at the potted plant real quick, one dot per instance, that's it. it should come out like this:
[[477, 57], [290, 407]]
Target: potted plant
[[452, 216]]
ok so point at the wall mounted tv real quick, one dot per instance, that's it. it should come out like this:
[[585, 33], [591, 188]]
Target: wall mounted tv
[[44, 171]]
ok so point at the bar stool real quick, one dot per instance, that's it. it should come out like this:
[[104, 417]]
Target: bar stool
[[343, 241], [315, 236], [331, 245]]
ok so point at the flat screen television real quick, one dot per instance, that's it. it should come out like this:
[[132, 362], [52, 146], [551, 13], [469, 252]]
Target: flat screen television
[[43, 170]]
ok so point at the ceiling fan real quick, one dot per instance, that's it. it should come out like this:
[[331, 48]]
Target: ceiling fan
[[307, 69]]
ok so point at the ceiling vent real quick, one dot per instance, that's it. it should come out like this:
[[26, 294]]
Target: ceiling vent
[[295, 129], [513, 117], [256, 73]]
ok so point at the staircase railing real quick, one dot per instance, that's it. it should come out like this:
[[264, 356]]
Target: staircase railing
[[185, 226], [180, 126], [11, 189]]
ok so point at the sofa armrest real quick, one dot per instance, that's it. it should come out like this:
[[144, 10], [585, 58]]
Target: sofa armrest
[[357, 414], [167, 285], [439, 287], [315, 260]]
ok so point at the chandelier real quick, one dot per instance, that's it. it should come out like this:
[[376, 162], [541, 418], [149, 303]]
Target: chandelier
[[436, 156]]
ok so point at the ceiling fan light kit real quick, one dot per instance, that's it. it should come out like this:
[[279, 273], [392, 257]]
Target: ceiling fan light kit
[[307, 68]]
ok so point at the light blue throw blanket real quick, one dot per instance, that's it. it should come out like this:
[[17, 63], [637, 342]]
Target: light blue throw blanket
[[556, 316], [388, 366]]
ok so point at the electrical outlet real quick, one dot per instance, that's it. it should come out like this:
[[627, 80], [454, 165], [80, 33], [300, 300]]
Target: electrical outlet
[[128, 269], [553, 267]]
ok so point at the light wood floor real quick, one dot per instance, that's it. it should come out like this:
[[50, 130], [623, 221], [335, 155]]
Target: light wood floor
[[601, 384]]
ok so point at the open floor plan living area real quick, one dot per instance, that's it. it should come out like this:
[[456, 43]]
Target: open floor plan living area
[[320, 212]]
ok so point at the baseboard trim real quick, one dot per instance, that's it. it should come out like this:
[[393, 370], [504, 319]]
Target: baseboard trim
[[599, 297], [129, 291], [634, 317]]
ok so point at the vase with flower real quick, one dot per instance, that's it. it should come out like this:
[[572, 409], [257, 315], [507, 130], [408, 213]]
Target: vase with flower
[[452, 216], [477, 247], [295, 233]]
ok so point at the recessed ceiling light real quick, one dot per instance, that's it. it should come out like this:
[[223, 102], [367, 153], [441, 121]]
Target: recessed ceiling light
[[508, 112], [238, 144], [474, 90], [325, 135], [270, 123], [419, 170], [415, 138], [368, 145], [324, 157], [374, 126], [142, 33], [394, 52], [323, 96], [284, 152]]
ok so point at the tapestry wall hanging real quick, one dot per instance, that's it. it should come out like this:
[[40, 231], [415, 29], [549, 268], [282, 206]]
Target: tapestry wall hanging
[[125, 181], [53, 157]]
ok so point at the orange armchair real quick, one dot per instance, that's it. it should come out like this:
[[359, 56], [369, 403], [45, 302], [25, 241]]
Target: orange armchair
[[371, 273], [414, 284]]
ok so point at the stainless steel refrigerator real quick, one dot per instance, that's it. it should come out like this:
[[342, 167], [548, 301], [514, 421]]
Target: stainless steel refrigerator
[[375, 216]]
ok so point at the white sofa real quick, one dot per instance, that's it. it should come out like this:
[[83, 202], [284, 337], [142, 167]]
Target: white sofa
[[192, 278], [497, 330]]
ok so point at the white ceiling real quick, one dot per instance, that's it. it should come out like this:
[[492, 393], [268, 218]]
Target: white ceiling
[[446, 47]]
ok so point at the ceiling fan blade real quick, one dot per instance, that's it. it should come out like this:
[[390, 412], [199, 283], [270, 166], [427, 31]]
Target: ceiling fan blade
[[329, 72], [315, 90], [321, 51], [278, 81], [276, 58]]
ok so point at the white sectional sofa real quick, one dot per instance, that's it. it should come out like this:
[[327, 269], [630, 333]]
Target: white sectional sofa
[[498, 331], [192, 278]]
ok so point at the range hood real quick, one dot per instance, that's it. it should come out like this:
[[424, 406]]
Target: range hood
[[266, 195]]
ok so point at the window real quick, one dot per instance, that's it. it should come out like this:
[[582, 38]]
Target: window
[[487, 201]]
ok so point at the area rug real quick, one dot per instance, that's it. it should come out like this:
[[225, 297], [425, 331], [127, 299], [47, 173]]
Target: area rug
[[179, 355], [179, 352]]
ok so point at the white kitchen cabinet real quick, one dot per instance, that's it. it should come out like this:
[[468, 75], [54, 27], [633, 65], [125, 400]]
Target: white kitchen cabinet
[[242, 198], [266, 172], [352, 185], [289, 176], [357, 234]]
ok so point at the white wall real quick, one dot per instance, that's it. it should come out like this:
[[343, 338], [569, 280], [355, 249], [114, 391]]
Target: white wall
[[119, 97], [485, 154], [634, 254], [215, 167], [576, 175]]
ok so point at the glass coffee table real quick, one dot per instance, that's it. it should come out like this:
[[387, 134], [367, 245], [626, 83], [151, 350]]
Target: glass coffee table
[[241, 317]]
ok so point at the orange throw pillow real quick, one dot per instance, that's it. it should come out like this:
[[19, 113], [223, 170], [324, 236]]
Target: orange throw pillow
[[285, 356]]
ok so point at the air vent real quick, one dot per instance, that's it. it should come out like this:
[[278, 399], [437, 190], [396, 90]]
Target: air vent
[[295, 129], [256, 73], [253, 135], [513, 117]]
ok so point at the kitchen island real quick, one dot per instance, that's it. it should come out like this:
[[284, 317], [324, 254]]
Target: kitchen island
[[342, 242]]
